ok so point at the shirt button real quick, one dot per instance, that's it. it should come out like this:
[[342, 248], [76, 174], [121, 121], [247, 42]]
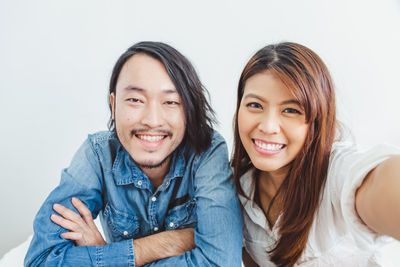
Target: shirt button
[[155, 229], [153, 199], [125, 232], [171, 224], [139, 182]]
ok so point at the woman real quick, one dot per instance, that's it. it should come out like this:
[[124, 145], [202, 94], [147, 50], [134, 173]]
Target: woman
[[308, 199]]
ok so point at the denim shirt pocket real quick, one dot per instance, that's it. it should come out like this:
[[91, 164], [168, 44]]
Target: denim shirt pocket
[[122, 225], [182, 216]]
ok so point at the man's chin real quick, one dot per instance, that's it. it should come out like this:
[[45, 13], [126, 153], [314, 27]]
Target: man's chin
[[151, 164]]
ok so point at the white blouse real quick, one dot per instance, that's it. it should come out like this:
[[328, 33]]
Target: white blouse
[[337, 236]]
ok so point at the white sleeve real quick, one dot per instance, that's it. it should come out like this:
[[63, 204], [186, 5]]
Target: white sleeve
[[347, 170]]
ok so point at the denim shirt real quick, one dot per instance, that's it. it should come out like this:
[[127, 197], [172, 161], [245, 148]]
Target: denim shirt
[[197, 192]]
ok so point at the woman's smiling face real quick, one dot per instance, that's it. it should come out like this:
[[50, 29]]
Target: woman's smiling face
[[271, 122]]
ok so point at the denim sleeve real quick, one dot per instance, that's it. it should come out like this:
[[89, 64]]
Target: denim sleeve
[[82, 179], [218, 234]]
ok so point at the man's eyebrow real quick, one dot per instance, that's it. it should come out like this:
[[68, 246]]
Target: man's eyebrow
[[138, 89], [170, 91], [133, 88]]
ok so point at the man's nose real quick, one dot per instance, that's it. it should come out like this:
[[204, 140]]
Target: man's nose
[[153, 116]]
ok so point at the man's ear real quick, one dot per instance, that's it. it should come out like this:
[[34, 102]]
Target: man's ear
[[112, 103]]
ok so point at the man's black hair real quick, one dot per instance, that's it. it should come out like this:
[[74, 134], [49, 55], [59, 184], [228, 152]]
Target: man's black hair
[[198, 112]]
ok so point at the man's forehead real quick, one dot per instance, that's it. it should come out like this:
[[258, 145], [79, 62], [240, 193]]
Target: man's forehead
[[142, 73], [142, 63]]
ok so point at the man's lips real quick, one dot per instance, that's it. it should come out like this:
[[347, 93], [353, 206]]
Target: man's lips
[[151, 141], [150, 138]]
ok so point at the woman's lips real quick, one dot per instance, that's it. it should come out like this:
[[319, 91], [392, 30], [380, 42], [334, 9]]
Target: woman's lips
[[268, 148]]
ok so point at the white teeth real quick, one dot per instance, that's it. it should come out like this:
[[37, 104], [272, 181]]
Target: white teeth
[[268, 146], [151, 138]]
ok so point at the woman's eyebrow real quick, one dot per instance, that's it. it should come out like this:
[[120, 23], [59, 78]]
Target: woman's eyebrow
[[251, 95], [290, 101], [285, 102]]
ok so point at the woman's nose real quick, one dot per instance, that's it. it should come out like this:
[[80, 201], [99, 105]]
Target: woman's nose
[[270, 124]]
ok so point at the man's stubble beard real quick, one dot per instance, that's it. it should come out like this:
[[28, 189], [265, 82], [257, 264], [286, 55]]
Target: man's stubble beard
[[152, 166], [148, 166]]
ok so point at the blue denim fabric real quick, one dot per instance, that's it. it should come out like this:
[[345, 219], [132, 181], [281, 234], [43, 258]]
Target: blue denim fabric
[[197, 192]]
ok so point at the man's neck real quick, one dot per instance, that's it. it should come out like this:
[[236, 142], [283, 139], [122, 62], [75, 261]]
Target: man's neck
[[157, 175]]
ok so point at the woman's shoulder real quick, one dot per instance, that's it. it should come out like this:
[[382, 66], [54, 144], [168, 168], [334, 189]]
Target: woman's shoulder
[[347, 154], [349, 164], [348, 167]]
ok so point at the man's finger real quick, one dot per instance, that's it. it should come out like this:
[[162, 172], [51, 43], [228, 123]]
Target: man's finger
[[67, 213], [64, 223], [83, 210], [72, 236]]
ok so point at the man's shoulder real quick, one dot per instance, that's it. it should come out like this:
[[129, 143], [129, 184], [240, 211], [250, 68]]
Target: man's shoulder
[[101, 146], [218, 145], [103, 140], [101, 137], [217, 140]]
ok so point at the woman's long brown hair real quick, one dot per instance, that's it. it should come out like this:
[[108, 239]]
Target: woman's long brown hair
[[306, 76]]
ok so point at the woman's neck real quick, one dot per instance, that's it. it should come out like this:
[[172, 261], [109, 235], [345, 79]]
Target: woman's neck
[[268, 184]]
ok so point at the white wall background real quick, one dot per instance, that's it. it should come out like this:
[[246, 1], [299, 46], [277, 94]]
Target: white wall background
[[56, 58]]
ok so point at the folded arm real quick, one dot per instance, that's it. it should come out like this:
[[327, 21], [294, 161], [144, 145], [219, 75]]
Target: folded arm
[[163, 245], [83, 179], [49, 245], [146, 250], [378, 198]]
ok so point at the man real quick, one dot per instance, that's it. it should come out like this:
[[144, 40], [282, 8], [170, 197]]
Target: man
[[159, 179]]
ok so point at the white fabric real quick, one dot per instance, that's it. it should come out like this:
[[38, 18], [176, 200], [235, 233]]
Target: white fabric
[[337, 236], [15, 257]]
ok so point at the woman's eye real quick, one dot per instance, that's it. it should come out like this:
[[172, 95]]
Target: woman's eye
[[254, 105], [291, 111]]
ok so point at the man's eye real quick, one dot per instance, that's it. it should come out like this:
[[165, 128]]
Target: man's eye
[[171, 102], [133, 100], [291, 111], [254, 105]]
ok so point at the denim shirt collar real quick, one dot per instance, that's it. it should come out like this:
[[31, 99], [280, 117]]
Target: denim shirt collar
[[127, 172]]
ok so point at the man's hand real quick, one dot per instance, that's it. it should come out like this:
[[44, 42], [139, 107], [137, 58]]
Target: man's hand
[[83, 230], [163, 245]]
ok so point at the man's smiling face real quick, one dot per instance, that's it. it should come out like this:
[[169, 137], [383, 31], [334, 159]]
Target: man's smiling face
[[148, 112]]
